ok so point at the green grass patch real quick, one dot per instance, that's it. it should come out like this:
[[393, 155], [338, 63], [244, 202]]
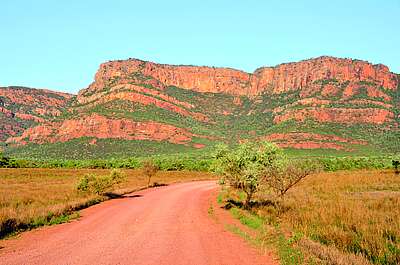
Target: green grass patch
[[288, 254], [250, 220], [11, 228]]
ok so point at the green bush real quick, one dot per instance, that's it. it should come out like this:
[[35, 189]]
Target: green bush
[[100, 185], [349, 163], [8, 162], [4, 161], [396, 165], [253, 165], [173, 163], [243, 167], [192, 162]]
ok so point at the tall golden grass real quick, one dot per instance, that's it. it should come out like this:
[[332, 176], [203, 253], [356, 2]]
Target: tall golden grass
[[28, 195], [354, 211]]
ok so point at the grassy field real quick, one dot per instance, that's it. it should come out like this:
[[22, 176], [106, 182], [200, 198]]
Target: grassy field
[[34, 197], [345, 217]]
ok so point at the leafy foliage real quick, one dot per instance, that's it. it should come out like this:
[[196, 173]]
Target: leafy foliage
[[253, 165], [244, 166], [8, 162], [396, 165], [4, 161], [100, 185]]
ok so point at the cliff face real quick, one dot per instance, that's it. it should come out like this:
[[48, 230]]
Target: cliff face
[[366, 90], [22, 107], [312, 104], [100, 127], [279, 79], [296, 76]]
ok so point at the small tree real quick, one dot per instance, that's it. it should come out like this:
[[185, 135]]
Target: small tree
[[284, 175], [149, 170], [100, 185], [4, 161], [243, 166], [396, 165]]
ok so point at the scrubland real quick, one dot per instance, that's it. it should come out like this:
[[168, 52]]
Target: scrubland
[[344, 217]]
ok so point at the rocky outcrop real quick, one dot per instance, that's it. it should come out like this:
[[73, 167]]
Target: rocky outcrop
[[300, 140], [201, 79], [278, 79], [32, 104], [294, 76], [21, 107], [35, 97], [144, 96], [101, 127], [337, 115]]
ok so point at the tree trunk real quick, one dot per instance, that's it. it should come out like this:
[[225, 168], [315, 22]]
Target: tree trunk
[[148, 182], [247, 201]]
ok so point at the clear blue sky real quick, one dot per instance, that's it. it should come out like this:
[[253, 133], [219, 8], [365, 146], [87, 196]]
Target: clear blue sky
[[59, 44]]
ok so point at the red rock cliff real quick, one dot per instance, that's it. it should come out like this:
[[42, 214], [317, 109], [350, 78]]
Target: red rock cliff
[[102, 127], [278, 79]]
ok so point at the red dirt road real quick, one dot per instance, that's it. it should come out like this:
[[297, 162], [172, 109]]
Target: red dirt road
[[166, 225]]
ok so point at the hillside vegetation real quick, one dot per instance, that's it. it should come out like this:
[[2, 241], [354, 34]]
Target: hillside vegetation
[[324, 105]]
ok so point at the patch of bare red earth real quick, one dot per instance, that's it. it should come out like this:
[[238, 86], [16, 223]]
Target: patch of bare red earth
[[167, 225]]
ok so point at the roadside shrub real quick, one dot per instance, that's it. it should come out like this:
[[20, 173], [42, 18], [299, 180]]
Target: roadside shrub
[[396, 165], [3, 160], [100, 185], [6, 161], [243, 167], [252, 166], [149, 170]]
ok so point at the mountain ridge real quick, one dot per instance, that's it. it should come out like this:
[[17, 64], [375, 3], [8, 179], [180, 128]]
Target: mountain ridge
[[217, 80], [320, 103]]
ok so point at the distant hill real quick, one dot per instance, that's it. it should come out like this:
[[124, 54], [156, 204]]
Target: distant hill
[[23, 107], [325, 105]]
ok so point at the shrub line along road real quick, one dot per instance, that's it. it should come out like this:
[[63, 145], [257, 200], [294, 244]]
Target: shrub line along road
[[166, 225]]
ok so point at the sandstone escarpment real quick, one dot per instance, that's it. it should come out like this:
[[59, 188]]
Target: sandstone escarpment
[[337, 115], [312, 141], [139, 100], [144, 96], [101, 127], [294, 76], [278, 79], [22, 107], [32, 104]]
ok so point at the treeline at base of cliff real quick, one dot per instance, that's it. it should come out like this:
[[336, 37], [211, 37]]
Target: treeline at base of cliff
[[192, 163]]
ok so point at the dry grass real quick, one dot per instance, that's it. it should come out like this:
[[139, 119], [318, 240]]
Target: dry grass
[[322, 254], [29, 195], [353, 211]]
